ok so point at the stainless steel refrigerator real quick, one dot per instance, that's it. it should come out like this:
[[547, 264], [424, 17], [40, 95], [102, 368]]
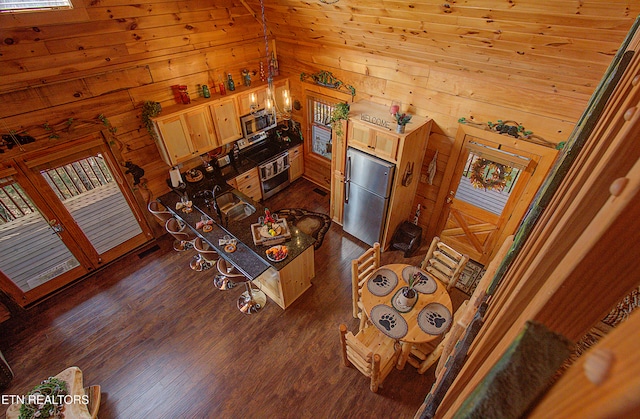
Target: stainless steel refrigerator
[[368, 182]]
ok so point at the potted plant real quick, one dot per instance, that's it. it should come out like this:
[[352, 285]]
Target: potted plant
[[402, 120], [150, 109], [43, 401], [340, 113], [408, 294]]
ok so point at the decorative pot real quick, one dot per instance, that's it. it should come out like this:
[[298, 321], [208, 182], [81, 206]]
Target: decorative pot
[[408, 296], [400, 128]]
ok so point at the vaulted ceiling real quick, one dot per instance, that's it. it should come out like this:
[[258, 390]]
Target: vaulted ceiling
[[565, 44]]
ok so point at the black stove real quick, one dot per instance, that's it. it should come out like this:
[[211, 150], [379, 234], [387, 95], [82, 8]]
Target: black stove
[[262, 152]]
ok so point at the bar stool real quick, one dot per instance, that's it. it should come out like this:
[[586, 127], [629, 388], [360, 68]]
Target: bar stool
[[207, 256], [252, 300], [227, 276], [158, 211], [183, 235]]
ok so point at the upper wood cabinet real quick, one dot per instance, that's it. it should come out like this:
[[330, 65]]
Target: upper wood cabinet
[[226, 119], [187, 131], [244, 100], [184, 135], [383, 144]]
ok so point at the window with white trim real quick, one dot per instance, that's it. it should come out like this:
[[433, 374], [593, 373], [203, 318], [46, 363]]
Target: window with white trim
[[33, 5]]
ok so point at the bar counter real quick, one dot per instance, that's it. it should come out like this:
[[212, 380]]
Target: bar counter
[[282, 281]]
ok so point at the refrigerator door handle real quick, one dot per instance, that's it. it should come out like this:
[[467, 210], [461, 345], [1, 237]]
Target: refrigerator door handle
[[347, 180]]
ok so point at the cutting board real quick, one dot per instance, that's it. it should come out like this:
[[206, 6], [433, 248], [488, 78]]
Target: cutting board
[[259, 238]]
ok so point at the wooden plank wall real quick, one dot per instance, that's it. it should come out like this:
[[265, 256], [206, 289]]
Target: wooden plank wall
[[534, 62], [115, 55]]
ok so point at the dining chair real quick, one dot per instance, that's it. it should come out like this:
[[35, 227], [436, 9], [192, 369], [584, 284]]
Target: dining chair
[[444, 262], [361, 270], [372, 352], [207, 255], [159, 212], [182, 234], [424, 355]]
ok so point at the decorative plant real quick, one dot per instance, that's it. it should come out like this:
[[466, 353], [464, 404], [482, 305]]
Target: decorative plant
[[43, 401], [340, 113], [402, 118], [150, 109]]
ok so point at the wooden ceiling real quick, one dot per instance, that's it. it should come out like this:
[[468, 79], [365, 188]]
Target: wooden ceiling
[[565, 44]]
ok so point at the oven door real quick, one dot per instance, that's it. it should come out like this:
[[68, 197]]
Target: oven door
[[275, 184], [274, 175]]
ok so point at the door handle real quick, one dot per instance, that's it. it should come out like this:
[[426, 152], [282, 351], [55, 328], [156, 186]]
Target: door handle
[[56, 226], [450, 197], [347, 180]]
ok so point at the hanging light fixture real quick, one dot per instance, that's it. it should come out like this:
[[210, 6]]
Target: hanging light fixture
[[271, 105]]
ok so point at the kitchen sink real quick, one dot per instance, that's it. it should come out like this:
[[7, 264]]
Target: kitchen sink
[[234, 207], [240, 211], [227, 200]]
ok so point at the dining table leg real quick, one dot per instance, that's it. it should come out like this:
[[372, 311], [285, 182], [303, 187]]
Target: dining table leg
[[404, 355]]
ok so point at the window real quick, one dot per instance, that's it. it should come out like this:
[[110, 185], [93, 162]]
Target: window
[[33, 5], [320, 118]]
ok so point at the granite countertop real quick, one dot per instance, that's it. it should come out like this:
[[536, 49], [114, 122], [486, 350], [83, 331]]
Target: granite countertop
[[280, 139], [249, 258]]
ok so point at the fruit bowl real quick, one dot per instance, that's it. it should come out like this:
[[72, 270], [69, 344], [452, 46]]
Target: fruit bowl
[[277, 253]]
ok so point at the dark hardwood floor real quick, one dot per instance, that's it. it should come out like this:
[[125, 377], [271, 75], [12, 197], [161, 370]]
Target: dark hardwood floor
[[163, 342]]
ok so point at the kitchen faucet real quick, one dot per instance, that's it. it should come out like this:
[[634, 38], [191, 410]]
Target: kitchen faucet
[[216, 188]]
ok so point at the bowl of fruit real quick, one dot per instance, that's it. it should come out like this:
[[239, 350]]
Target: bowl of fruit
[[277, 253]]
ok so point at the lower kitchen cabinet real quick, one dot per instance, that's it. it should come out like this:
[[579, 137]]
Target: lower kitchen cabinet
[[248, 183], [296, 162], [286, 285]]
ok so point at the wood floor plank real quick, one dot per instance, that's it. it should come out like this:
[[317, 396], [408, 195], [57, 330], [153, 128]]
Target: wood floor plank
[[163, 342]]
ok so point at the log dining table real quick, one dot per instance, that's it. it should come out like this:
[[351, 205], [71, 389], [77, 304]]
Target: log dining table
[[422, 321]]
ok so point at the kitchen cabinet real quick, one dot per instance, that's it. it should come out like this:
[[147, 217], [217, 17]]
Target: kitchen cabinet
[[296, 163], [370, 128], [226, 119], [337, 173], [383, 144], [248, 183], [185, 131], [287, 284], [184, 135], [244, 100]]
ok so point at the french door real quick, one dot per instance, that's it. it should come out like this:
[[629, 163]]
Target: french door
[[63, 214], [493, 180]]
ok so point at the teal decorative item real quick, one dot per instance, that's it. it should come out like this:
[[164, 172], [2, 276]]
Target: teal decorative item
[[512, 129], [231, 85], [326, 79]]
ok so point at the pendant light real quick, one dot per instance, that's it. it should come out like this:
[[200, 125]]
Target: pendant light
[[271, 105]]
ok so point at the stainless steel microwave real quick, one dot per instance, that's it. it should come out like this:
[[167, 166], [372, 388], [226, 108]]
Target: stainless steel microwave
[[256, 123]]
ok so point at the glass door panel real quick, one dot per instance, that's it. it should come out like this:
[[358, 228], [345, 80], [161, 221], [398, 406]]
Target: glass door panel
[[320, 117], [88, 190], [33, 252], [486, 184]]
